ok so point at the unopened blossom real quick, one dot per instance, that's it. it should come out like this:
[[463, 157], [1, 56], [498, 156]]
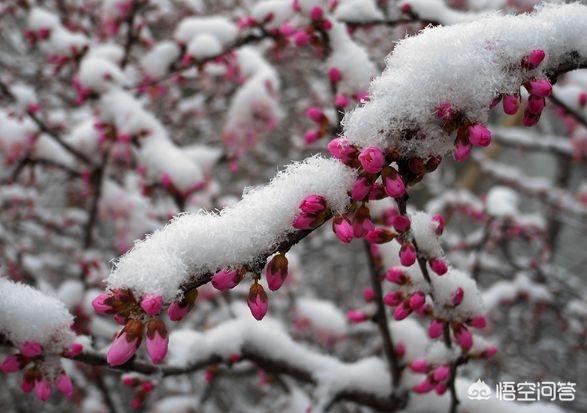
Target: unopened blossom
[[511, 104], [257, 301], [152, 303], [445, 112], [401, 223], [407, 254], [457, 296], [536, 104], [424, 386], [533, 60], [393, 182], [64, 384], [227, 278], [478, 322], [463, 337], [177, 310], [361, 188], [530, 119], [276, 271], [12, 363], [438, 266], [441, 373], [393, 298], [313, 204], [440, 223], [334, 74], [419, 365], [462, 150], [402, 311], [539, 87], [343, 228], [100, 304], [43, 389], [126, 343], [435, 329], [479, 135], [396, 276], [372, 159], [368, 294], [316, 114], [380, 236], [356, 316], [417, 300], [341, 101], [362, 223], [31, 349], [343, 150], [157, 340]]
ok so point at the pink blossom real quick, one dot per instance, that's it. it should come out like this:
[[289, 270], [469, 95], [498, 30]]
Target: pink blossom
[[407, 254], [372, 159], [64, 385], [417, 300], [287, 29], [301, 38], [445, 112], [31, 349], [379, 236], [530, 119], [368, 294], [536, 104], [152, 303], [419, 365], [401, 223], [479, 322], [28, 383], [257, 301], [511, 104], [73, 350], [361, 188], [440, 389], [435, 329], [533, 60], [311, 136], [463, 337], [100, 304], [341, 101], [424, 386], [396, 276], [438, 266], [539, 87], [457, 296], [479, 135], [343, 228], [462, 150], [356, 316], [313, 204], [341, 149], [316, 13], [334, 75], [276, 271], [315, 114], [125, 344], [11, 364], [582, 99], [393, 182], [304, 221], [362, 223], [440, 223], [490, 351], [157, 340], [227, 278], [402, 311], [441, 373], [393, 298], [43, 389]]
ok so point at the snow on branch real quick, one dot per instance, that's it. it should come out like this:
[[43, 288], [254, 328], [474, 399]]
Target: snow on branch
[[467, 75], [202, 243]]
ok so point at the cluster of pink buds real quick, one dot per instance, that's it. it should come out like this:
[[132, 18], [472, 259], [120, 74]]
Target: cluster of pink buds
[[142, 389], [436, 376], [313, 212], [37, 376], [140, 318], [33, 36], [460, 331], [404, 304]]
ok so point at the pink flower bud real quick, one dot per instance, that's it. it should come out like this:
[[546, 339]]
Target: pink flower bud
[[534, 58], [464, 337], [120, 319], [393, 182], [31, 349], [361, 188], [435, 329], [396, 276], [462, 150], [424, 386], [368, 294], [316, 13], [301, 38], [136, 403], [438, 266], [479, 135], [479, 322], [440, 389], [393, 298], [28, 383], [257, 301], [315, 114], [490, 351], [64, 385], [440, 223], [356, 316], [582, 99], [152, 303], [530, 119], [311, 136], [401, 223], [407, 254], [362, 223], [379, 236], [334, 75], [276, 271], [457, 296], [539, 87], [402, 311], [343, 228], [43, 389], [100, 304], [400, 350], [305, 221], [125, 344], [11, 364], [419, 365], [417, 300], [313, 204], [157, 340], [341, 149], [441, 373], [445, 112], [372, 159], [147, 387], [287, 29], [227, 278], [129, 381], [341, 101], [176, 311], [73, 350], [511, 104], [536, 104]]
